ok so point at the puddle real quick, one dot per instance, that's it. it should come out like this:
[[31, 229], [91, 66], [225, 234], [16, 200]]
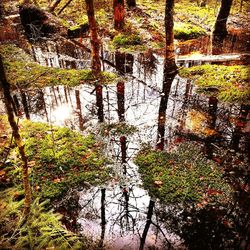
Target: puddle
[[237, 41], [121, 214]]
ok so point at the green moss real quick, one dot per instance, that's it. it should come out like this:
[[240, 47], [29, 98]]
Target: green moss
[[120, 128], [125, 40], [186, 31], [22, 72], [59, 159], [183, 175], [204, 15], [231, 82]]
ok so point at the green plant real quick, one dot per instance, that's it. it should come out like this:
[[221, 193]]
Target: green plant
[[123, 40], [120, 128], [60, 159], [186, 31], [41, 230], [183, 175], [230, 82], [23, 72]]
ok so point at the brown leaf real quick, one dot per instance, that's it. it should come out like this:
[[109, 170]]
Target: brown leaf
[[158, 183], [2, 172]]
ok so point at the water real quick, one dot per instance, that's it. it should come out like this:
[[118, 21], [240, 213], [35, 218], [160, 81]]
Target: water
[[121, 214]]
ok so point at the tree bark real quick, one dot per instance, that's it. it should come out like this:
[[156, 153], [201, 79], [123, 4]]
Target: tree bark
[[119, 14], [169, 30], [15, 130], [220, 28], [131, 3], [95, 42]]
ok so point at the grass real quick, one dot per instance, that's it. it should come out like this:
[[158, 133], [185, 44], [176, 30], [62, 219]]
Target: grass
[[58, 159], [21, 71], [231, 82], [183, 175]]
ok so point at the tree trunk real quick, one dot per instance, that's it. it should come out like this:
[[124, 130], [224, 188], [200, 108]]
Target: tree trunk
[[119, 14], [169, 30], [131, 3], [53, 5], [220, 28], [95, 42], [15, 130]]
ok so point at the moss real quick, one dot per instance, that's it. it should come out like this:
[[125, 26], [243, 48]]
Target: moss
[[183, 175], [22, 72], [115, 129], [204, 15], [59, 159], [231, 82], [124, 40], [186, 31]]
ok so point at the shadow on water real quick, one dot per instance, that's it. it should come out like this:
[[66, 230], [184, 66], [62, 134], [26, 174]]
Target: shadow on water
[[121, 214]]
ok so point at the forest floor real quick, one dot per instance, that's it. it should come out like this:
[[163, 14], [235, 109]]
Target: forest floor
[[61, 159]]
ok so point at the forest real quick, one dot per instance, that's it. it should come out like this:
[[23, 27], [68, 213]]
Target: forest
[[124, 124]]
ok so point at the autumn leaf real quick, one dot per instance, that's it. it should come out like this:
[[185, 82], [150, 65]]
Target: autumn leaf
[[158, 183]]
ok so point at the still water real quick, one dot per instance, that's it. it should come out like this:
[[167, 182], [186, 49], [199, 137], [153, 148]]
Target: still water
[[121, 214]]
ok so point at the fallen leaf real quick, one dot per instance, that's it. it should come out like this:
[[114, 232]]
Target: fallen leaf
[[158, 183]]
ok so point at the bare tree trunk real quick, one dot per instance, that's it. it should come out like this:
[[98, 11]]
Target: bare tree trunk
[[119, 14], [95, 42], [131, 3], [220, 28], [169, 30], [15, 130], [53, 5]]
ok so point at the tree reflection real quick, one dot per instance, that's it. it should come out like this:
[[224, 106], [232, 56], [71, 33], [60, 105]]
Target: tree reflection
[[99, 102], [25, 104], [168, 78], [79, 110], [121, 101]]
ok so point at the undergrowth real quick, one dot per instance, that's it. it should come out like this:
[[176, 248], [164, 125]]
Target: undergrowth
[[186, 31], [182, 175], [22, 72], [115, 129], [230, 82], [42, 229], [58, 159]]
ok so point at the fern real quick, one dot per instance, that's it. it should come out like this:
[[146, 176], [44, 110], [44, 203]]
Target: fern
[[42, 230]]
